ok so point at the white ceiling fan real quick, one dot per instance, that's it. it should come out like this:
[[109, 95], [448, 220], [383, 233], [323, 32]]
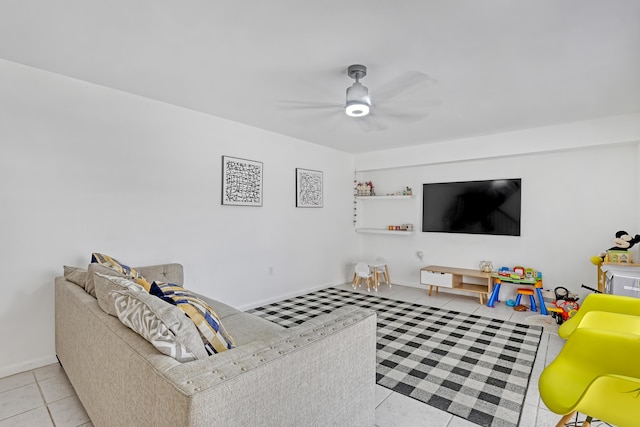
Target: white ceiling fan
[[402, 99], [358, 100]]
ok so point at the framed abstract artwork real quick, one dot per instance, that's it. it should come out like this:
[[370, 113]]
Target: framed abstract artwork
[[241, 182], [309, 191]]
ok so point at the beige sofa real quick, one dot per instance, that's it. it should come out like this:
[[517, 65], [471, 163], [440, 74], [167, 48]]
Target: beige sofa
[[321, 373]]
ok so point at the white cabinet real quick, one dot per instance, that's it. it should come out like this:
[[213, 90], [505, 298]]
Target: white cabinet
[[444, 280], [366, 204]]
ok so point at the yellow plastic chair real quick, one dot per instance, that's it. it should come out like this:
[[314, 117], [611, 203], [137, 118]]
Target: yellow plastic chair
[[597, 372], [627, 323], [600, 302]]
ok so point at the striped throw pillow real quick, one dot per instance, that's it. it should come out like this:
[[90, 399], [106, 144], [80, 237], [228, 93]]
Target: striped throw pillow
[[215, 337], [121, 268]]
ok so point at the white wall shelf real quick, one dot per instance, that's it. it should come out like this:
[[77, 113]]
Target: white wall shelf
[[384, 231], [376, 226], [383, 197]]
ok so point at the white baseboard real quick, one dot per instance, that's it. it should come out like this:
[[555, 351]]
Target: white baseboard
[[411, 285], [6, 371]]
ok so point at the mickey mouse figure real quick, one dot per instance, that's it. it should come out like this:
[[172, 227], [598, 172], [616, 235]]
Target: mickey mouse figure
[[622, 242]]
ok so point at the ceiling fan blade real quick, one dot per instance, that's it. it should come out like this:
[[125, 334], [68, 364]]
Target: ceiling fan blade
[[363, 123], [306, 105], [415, 103], [322, 119], [407, 118], [325, 121], [407, 82], [370, 123], [408, 111], [403, 115]]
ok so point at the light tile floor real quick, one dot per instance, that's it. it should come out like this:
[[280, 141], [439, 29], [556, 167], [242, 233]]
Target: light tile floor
[[44, 397]]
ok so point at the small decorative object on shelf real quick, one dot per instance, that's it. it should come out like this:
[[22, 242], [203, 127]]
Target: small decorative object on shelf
[[403, 227], [365, 189], [620, 257], [486, 266], [406, 191]]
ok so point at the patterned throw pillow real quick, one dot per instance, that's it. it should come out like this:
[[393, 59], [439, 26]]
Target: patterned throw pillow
[[105, 284], [163, 325], [121, 268], [216, 339]]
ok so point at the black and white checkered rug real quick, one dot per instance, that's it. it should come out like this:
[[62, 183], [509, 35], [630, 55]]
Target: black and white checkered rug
[[470, 366]]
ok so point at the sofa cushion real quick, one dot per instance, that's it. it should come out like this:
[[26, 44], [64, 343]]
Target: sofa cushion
[[215, 337], [121, 268], [75, 275], [222, 310], [163, 325], [248, 328], [105, 284]]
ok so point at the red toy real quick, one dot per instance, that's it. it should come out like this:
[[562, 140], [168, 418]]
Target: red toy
[[566, 305]]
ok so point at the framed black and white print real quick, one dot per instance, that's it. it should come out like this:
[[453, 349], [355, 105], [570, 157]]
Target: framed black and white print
[[241, 182], [308, 188]]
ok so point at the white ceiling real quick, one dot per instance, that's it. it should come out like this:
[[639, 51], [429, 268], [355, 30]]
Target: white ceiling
[[492, 65]]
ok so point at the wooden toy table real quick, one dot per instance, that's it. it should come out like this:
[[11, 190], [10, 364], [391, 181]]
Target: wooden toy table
[[535, 282]]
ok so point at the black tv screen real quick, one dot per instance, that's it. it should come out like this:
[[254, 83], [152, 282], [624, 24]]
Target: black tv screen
[[474, 207]]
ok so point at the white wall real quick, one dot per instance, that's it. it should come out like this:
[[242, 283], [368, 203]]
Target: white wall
[[573, 202], [85, 168], [567, 136]]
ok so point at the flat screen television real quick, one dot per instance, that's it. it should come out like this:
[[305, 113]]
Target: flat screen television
[[473, 207]]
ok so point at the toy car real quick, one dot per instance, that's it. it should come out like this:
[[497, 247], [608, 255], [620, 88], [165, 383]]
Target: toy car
[[566, 305]]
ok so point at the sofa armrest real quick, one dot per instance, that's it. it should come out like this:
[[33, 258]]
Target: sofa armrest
[[323, 369], [171, 273]]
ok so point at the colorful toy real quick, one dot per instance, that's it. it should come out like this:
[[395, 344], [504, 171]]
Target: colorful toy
[[565, 306], [529, 292], [529, 273], [504, 271], [519, 275], [622, 242]]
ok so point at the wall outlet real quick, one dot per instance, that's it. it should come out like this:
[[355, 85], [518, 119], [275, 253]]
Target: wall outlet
[[420, 255], [270, 270]]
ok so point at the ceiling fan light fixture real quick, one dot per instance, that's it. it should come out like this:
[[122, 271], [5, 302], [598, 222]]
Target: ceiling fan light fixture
[[357, 109], [358, 101]]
